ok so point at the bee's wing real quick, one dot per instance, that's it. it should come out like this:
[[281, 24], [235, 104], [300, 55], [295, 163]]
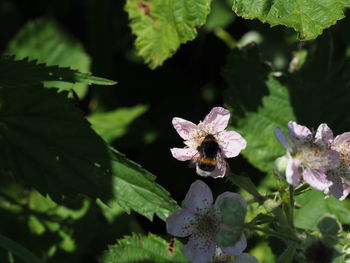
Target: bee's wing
[[221, 166], [194, 160]]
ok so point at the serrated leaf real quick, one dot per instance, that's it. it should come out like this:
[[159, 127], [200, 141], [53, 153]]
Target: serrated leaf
[[114, 124], [18, 73], [135, 188], [259, 104], [149, 248], [18, 250], [46, 142], [59, 49], [162, 26], [314, 207], [308, 17]]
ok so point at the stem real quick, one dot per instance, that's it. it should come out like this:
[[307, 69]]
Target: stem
[[291, 204], [272, 233], [226, 37]]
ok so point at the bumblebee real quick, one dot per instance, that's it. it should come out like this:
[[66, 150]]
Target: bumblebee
[[209, 152]]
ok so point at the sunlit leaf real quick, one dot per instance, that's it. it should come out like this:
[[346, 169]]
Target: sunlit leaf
[[44, 40], [309, 18], [114, 124], [149, 248], [314, 207], [162, 26], [135, 189]]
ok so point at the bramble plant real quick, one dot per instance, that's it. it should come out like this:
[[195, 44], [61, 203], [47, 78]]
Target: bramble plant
[[268, 83]]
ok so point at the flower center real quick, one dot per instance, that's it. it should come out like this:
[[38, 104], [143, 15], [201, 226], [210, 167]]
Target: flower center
[[313, 156], [207, 225]]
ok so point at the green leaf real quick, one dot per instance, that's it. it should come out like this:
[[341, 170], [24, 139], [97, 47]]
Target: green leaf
[[259, 104], [308, 17], [114, 124], [19, 73], [151, 248], [227, 238], [135, 188], [18, 250], [328, 226], [288, 254], [162, 26], [46, 142], [232, 211], [314, 207], [59, 49]]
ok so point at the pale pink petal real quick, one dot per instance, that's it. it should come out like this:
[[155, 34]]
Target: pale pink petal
[[217, 119], [316, 179], [180, 223], [340, 139], [184, 128], [245, 258], [183, 154], [238, 248], [199, 250], [199, 197], [230, 195], [298, 133], [220, 169], [293, 175], [324, 134], [282, 139], [231, 143], [333, 159], [341, 186]]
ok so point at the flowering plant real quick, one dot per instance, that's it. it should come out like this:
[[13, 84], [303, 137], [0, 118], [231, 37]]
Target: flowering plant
[[230, 143]]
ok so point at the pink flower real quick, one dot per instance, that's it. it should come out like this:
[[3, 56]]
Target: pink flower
[[203, 222], [207, 144], [311, 155], [340, 176]]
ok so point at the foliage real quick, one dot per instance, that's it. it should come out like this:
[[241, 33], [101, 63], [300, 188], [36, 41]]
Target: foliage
[[149, 248], [161, 27], [68, 192], [308, 18]]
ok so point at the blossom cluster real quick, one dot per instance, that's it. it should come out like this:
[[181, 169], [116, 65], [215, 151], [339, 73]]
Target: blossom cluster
[[214, 234], [201, 219], [320, 159]]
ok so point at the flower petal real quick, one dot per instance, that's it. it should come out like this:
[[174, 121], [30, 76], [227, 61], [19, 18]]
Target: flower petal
[[282, 139], [199, 197], [231, 143], [238, 248], [217, 119], [180, 223], [199, 250], [183, 154], [324, 134], [292, 172], [341, 186], [298, 133], [245, 258], [184, 128], [340, 139], [316, 179], [231, 195]]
